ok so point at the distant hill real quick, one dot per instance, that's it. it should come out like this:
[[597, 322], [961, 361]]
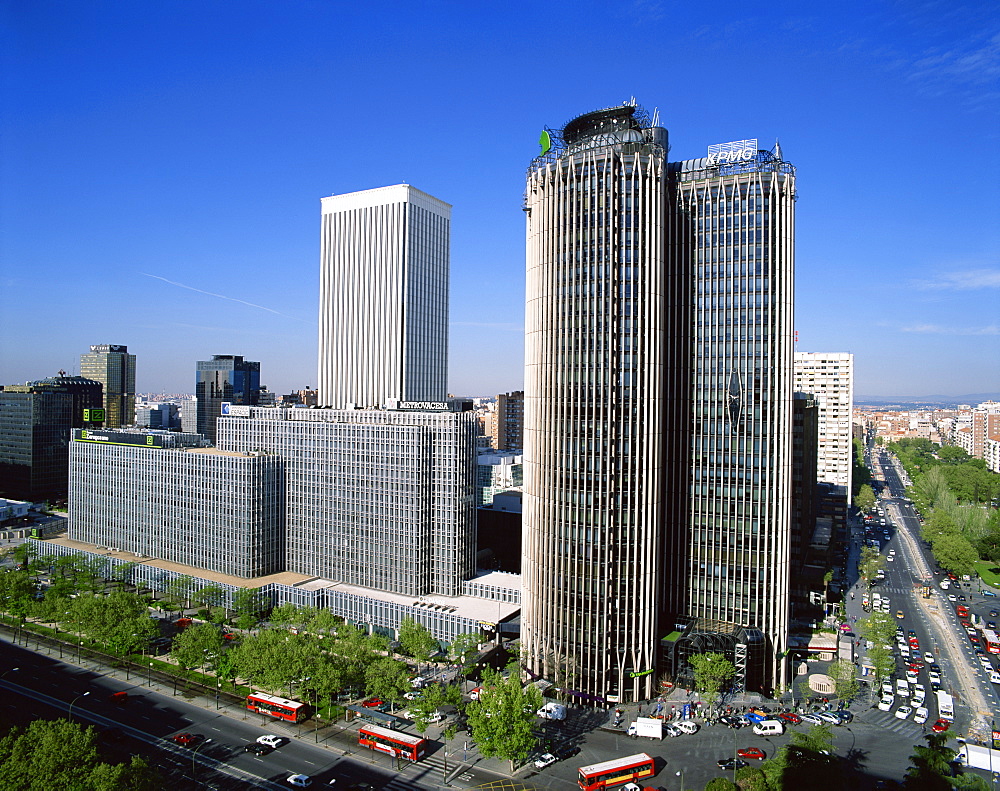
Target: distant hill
[[938, 401]]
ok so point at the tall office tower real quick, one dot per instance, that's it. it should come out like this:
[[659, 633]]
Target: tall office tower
[[383, 305], [34, 435], [510, 421], [226, 378], [88, 396], [381, 499], [114, 368], [658, 419], [161, 494], [594, 388], [732, 236]]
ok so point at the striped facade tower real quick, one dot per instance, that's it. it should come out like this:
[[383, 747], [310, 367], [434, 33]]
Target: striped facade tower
[[594, 406], [658, 409], [383, 305]]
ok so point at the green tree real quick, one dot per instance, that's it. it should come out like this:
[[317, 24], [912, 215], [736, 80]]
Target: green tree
[[952, 454], [870, 564], [124, 573], [712, 673], [806, 762], [180, 588], [865, 499], [464, 646], [845, 676], [211, 596], [721, 784], [197, 646], [954, 553], [249, 604], [930, 766], [119, 620], [387, 678], [751, 778], [61, 754], [286, 614], [501, 721], [431, 700], [416, 640], [17, 593]]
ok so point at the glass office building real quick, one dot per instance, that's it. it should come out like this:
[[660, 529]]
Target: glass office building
[[226, 378], [382, 499], [112, 366], [161, 494], [657, 401]]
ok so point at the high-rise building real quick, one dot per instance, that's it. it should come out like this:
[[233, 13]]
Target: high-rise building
[[510, 421], [829, 378], [226, 378], [34, 434], [383, 306], [658, 417], [114, 368]]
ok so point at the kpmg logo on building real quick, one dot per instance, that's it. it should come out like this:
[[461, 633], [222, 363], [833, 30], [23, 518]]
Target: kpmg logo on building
[[235, 410], [733, 153]]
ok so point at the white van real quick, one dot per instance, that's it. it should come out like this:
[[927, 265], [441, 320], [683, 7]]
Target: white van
[[688, 726], [769, 728]]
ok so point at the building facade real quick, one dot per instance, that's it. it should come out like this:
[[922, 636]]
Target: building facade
[[34, 435], [226, 378], [829, 377], [112, 366], [159, 494], [658, 406], [510, 421], [496, 472], [383, 306], [381, 499]]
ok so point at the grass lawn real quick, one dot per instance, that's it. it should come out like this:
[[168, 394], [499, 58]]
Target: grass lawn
[[989, 571]]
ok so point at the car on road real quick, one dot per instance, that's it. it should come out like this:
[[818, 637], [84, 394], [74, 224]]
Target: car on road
[[994, 677], [372, 703], [260, 750], [883, 705], [830, 717], [903, 712], [844, 715], [790, 717], [812, 719], [299, 781], [187, 739], [940, 726], [546, 759], [928, 657], [887, 687], [731, 722], [952, 597], [890, 558], [899, 615], [920, 716], [934, 678], [731, 763], [752, 753], [270, 740]]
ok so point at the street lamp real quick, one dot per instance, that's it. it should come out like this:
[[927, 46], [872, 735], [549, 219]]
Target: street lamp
[[149, 677], [195, 755], [9, 670], [680, 774], [81, 695], [218, 688]]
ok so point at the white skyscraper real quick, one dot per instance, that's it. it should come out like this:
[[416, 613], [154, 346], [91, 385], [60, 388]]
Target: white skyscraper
[[383, 304], [829, 378]]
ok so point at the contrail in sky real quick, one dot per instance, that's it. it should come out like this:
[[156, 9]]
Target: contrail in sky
[[223, 296]]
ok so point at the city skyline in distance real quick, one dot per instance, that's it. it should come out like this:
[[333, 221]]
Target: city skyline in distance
[[188, 175]]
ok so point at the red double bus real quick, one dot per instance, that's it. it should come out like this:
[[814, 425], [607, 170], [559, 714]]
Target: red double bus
[[400, 745], [991, 641], [615, 773], [282, 708]]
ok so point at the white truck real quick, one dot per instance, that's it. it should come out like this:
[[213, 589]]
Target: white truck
[[646, 726], [552, 711], [979, 757], [946, 706]]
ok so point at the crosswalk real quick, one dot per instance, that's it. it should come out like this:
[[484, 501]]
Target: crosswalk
[[885, 721], [429, 771]]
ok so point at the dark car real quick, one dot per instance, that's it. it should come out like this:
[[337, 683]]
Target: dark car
[[566, 752], [844, 714], [257, 749], [731, 763], [731, 722]]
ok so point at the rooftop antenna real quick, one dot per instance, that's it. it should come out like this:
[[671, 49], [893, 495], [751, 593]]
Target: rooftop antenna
[[656, 116], [777, 150], [630, 102]]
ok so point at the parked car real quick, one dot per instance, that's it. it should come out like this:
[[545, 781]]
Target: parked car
[[812, 719], [546, 759], [790, 717], [883, 705]]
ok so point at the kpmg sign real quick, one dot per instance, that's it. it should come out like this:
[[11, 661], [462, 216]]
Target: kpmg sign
[[235, 410], [733, 153]]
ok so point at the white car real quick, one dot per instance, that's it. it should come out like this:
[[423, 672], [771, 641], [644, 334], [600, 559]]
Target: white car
[[299, 781], [995, 677], [911, 676], [920, 717], [411, 695], [934, 677], [902, 687], [270, 740], [886, 703], [952, 597], [987, 665], [887, 687], [885, 606], [545, 760], [903, 712], [928, 657]]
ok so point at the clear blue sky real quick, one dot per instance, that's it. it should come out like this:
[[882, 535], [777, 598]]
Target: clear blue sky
[[162, 166]]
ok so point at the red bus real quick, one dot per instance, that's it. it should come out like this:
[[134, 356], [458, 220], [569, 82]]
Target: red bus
[[991, 641], [616, 773], [282, 708], [400, 745]]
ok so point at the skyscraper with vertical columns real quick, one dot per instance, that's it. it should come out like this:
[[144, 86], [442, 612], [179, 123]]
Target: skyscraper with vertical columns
[[657, 407], [383, 307], [114, 368]]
